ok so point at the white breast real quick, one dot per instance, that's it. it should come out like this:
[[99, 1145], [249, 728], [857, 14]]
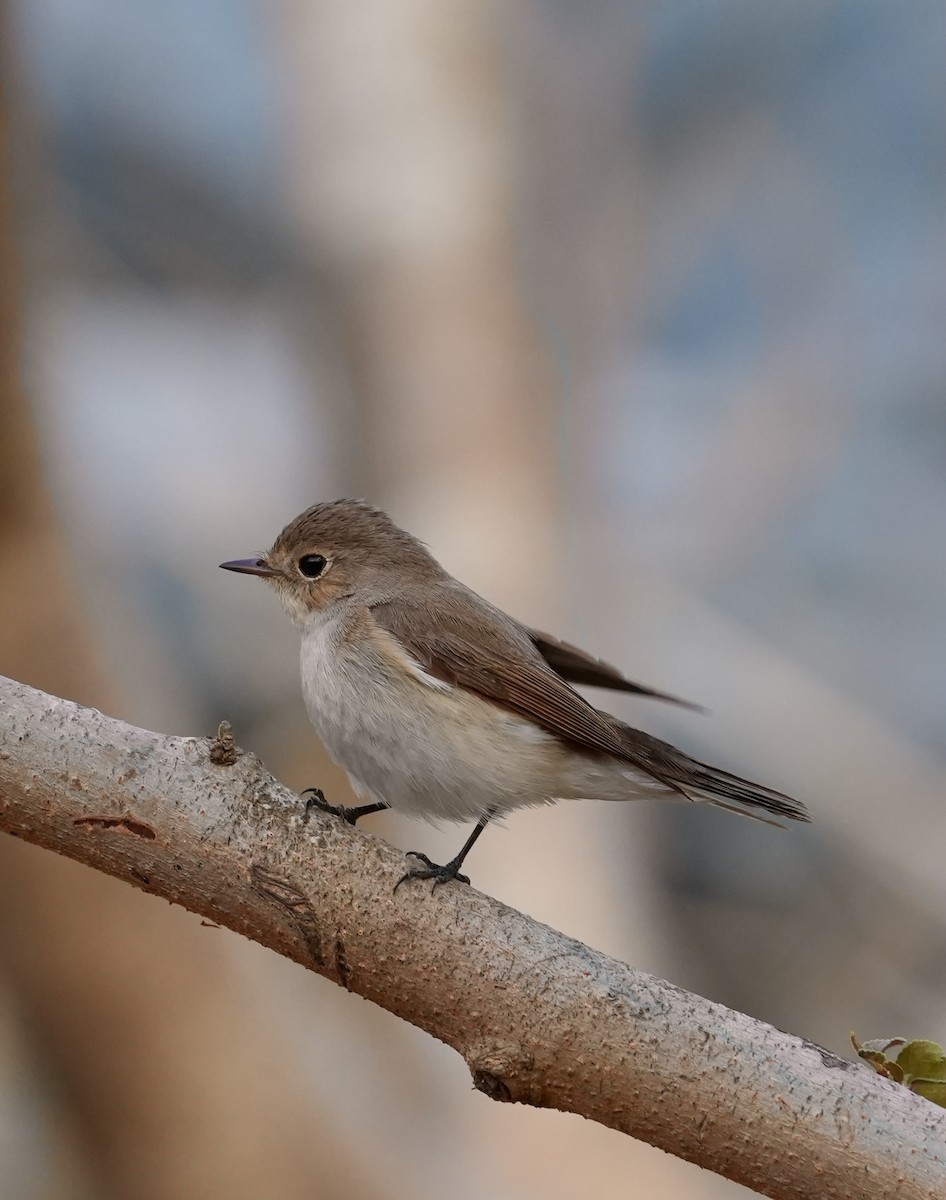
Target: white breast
[[414, 742]]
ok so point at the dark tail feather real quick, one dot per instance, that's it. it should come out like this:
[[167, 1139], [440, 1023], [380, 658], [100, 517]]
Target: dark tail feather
[[703, 782], [693, 780]]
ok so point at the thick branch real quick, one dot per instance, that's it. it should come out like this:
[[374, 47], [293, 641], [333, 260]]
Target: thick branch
[[539, 1018]]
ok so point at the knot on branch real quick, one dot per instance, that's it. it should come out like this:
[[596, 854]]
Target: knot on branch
[[501, 1070], [223, 749]]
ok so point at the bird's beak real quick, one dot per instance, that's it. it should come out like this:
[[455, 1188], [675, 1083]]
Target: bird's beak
[[249, 566]]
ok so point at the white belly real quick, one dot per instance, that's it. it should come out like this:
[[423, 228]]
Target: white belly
[[423, 748]]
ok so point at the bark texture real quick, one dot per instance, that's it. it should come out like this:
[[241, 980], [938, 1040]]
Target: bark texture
[[538, 1017]]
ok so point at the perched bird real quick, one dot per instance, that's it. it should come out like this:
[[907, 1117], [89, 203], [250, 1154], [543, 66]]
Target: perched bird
[[439, 705]]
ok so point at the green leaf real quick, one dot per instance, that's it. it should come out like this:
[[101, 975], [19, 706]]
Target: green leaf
[[930, 1089], [920, 1065], [923, 1060]]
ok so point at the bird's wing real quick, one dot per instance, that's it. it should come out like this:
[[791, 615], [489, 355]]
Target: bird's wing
[[448, 641], [577, 666], [490, 660]]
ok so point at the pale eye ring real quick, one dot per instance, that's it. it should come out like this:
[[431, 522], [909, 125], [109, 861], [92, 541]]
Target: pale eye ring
[[312, 565]]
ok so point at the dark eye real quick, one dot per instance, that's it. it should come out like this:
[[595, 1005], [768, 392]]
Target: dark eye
[[312, 565]]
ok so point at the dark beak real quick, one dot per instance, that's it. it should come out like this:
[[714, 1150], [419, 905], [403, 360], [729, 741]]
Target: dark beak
[[249, 566]]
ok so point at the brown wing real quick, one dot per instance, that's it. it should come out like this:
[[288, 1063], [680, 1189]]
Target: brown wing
[[448, 647], [483, 650], [577, 666]]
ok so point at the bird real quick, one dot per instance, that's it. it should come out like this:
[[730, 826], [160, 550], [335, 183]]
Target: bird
[[440, 705]]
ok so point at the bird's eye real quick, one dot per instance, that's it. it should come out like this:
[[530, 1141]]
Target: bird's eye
[[312, 565]]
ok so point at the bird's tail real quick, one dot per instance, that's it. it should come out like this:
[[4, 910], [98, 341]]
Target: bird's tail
[[693, 780], [699, 781]]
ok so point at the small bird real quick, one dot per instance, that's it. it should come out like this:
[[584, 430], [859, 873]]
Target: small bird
[[442, 706]]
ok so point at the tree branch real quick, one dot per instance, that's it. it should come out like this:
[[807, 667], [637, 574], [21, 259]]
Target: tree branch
[[539, 1018]]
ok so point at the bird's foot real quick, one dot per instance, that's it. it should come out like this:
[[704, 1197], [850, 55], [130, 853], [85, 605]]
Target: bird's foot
[[315, 798], [431, 870]]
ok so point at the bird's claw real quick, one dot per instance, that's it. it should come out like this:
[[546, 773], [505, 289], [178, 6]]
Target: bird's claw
[[431, 870], [315, 798]]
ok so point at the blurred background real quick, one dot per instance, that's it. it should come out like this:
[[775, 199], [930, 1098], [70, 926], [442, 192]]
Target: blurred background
[[635, 314]]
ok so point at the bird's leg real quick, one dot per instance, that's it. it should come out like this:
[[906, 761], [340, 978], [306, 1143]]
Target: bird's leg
[[316, 799], [450, 870]]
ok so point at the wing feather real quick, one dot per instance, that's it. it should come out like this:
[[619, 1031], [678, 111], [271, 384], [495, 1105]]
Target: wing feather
[[449, 643], [516, 679], [508, 674], [577, 666]]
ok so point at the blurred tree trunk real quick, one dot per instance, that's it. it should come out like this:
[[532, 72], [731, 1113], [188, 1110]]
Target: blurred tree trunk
[[403, 191], [178, 1084]]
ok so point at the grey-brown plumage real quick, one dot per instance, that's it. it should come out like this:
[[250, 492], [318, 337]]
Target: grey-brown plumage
[[439, 704]]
